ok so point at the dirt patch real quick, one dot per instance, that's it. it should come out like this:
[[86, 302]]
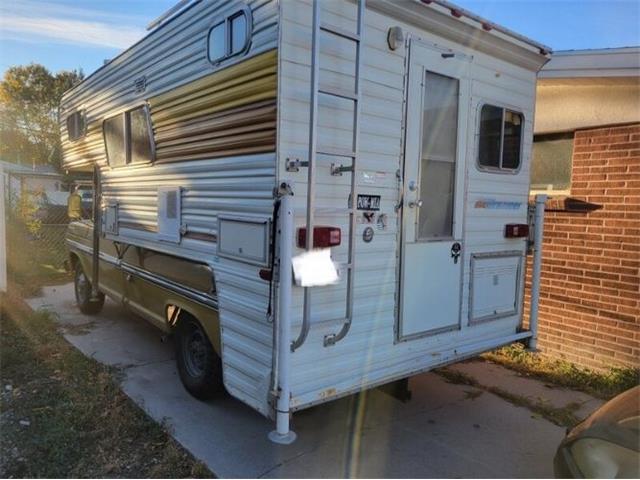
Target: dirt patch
[[79, 329], [63, 414], [564, 416]]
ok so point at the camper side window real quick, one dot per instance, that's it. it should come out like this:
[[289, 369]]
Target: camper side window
[[140, 144], [500, 140], [114, 141], [230, 37], [76, 127], [128, 138]]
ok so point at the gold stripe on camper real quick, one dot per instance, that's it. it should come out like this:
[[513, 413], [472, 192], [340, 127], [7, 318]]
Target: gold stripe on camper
[[230, 112], [237, 74]]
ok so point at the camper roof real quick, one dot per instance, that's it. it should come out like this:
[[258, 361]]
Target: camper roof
[[455, 10], [442, 6], [486, 25]]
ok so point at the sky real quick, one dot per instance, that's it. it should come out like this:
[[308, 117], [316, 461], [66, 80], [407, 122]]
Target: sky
[[81, 34]]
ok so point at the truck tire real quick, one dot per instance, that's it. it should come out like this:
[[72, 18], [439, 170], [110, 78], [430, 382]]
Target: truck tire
[[86, 304], [198, 364]]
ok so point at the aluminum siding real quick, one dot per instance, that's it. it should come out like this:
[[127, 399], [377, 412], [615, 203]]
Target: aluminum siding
[[215, 178], [170, 56]]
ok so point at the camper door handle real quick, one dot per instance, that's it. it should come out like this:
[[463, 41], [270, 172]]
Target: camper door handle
[[417, 203], [455, 251]]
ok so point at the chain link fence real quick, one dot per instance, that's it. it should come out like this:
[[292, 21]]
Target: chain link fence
[[36, 228]]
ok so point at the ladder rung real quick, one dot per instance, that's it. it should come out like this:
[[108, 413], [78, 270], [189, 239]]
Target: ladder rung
[[337, 92], [336, 152], [340, 32]]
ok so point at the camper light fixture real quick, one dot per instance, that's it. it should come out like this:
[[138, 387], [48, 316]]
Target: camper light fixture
[[395, 37], [323, 237]]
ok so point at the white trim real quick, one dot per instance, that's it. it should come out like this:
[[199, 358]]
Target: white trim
[[550, 191], [608, 62]]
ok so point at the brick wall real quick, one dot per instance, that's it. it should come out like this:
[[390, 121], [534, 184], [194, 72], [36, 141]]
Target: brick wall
[[590, 289]]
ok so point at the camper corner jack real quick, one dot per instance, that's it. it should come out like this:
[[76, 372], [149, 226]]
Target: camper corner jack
[[538, 225], [97, 227]]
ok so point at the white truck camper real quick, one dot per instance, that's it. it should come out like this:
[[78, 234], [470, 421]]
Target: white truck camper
[[392, 138]]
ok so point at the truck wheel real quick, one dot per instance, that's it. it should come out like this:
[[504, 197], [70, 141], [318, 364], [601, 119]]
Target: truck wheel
[[199, 366], [86, 304]]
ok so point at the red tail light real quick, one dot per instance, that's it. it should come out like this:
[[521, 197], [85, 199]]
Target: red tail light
[[323, 237], [516, 230]]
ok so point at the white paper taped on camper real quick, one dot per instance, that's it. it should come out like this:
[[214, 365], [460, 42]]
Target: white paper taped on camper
[[314, 268]]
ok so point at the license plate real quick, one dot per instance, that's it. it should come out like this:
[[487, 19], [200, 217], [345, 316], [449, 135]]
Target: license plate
[[368, 202]]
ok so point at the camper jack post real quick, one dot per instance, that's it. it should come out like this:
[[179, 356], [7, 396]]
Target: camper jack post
[[537, 265], [282, 434], [95, 265]]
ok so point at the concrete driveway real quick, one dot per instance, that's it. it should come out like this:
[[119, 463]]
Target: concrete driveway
[[445, 430]]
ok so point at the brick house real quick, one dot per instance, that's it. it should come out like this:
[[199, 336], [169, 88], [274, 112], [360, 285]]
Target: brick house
[[587, 158]]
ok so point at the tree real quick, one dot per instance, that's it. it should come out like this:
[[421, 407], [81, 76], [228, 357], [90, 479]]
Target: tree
[[29, 128]]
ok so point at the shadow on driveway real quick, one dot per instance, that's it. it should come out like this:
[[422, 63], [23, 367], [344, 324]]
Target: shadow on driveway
[[445, 430]]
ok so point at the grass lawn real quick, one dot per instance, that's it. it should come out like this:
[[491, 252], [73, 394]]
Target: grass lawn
[[64, 415], [34, 261], [603, 384]]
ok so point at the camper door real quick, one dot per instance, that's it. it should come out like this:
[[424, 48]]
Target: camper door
[[432, 243]]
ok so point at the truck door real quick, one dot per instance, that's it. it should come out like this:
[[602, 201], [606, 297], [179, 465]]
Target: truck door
[[433, 192]]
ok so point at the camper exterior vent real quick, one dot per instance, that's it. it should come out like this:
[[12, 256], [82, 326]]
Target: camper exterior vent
[[141, 84], [169, 214], [110, 219]]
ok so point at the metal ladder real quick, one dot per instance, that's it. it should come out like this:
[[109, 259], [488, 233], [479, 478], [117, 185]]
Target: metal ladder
[[336, 169]]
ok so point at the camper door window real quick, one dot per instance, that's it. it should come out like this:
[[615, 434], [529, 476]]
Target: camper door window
[[230, 36], [500, 143], [128, 138]]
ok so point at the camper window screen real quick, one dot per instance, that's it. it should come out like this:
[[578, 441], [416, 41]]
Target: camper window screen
[[140, 149], [128, 138], [500, 138], [238, 25], [217, 43], [76, 125], [114, 141], [439, 151]]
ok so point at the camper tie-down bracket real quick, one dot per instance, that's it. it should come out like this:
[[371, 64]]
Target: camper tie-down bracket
[[337, 169], [295, 164]]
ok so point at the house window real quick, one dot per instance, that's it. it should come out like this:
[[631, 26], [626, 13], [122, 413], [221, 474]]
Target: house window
[[230, 37], [500, 141], [128, 138], [551, 162], [76, 127]]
